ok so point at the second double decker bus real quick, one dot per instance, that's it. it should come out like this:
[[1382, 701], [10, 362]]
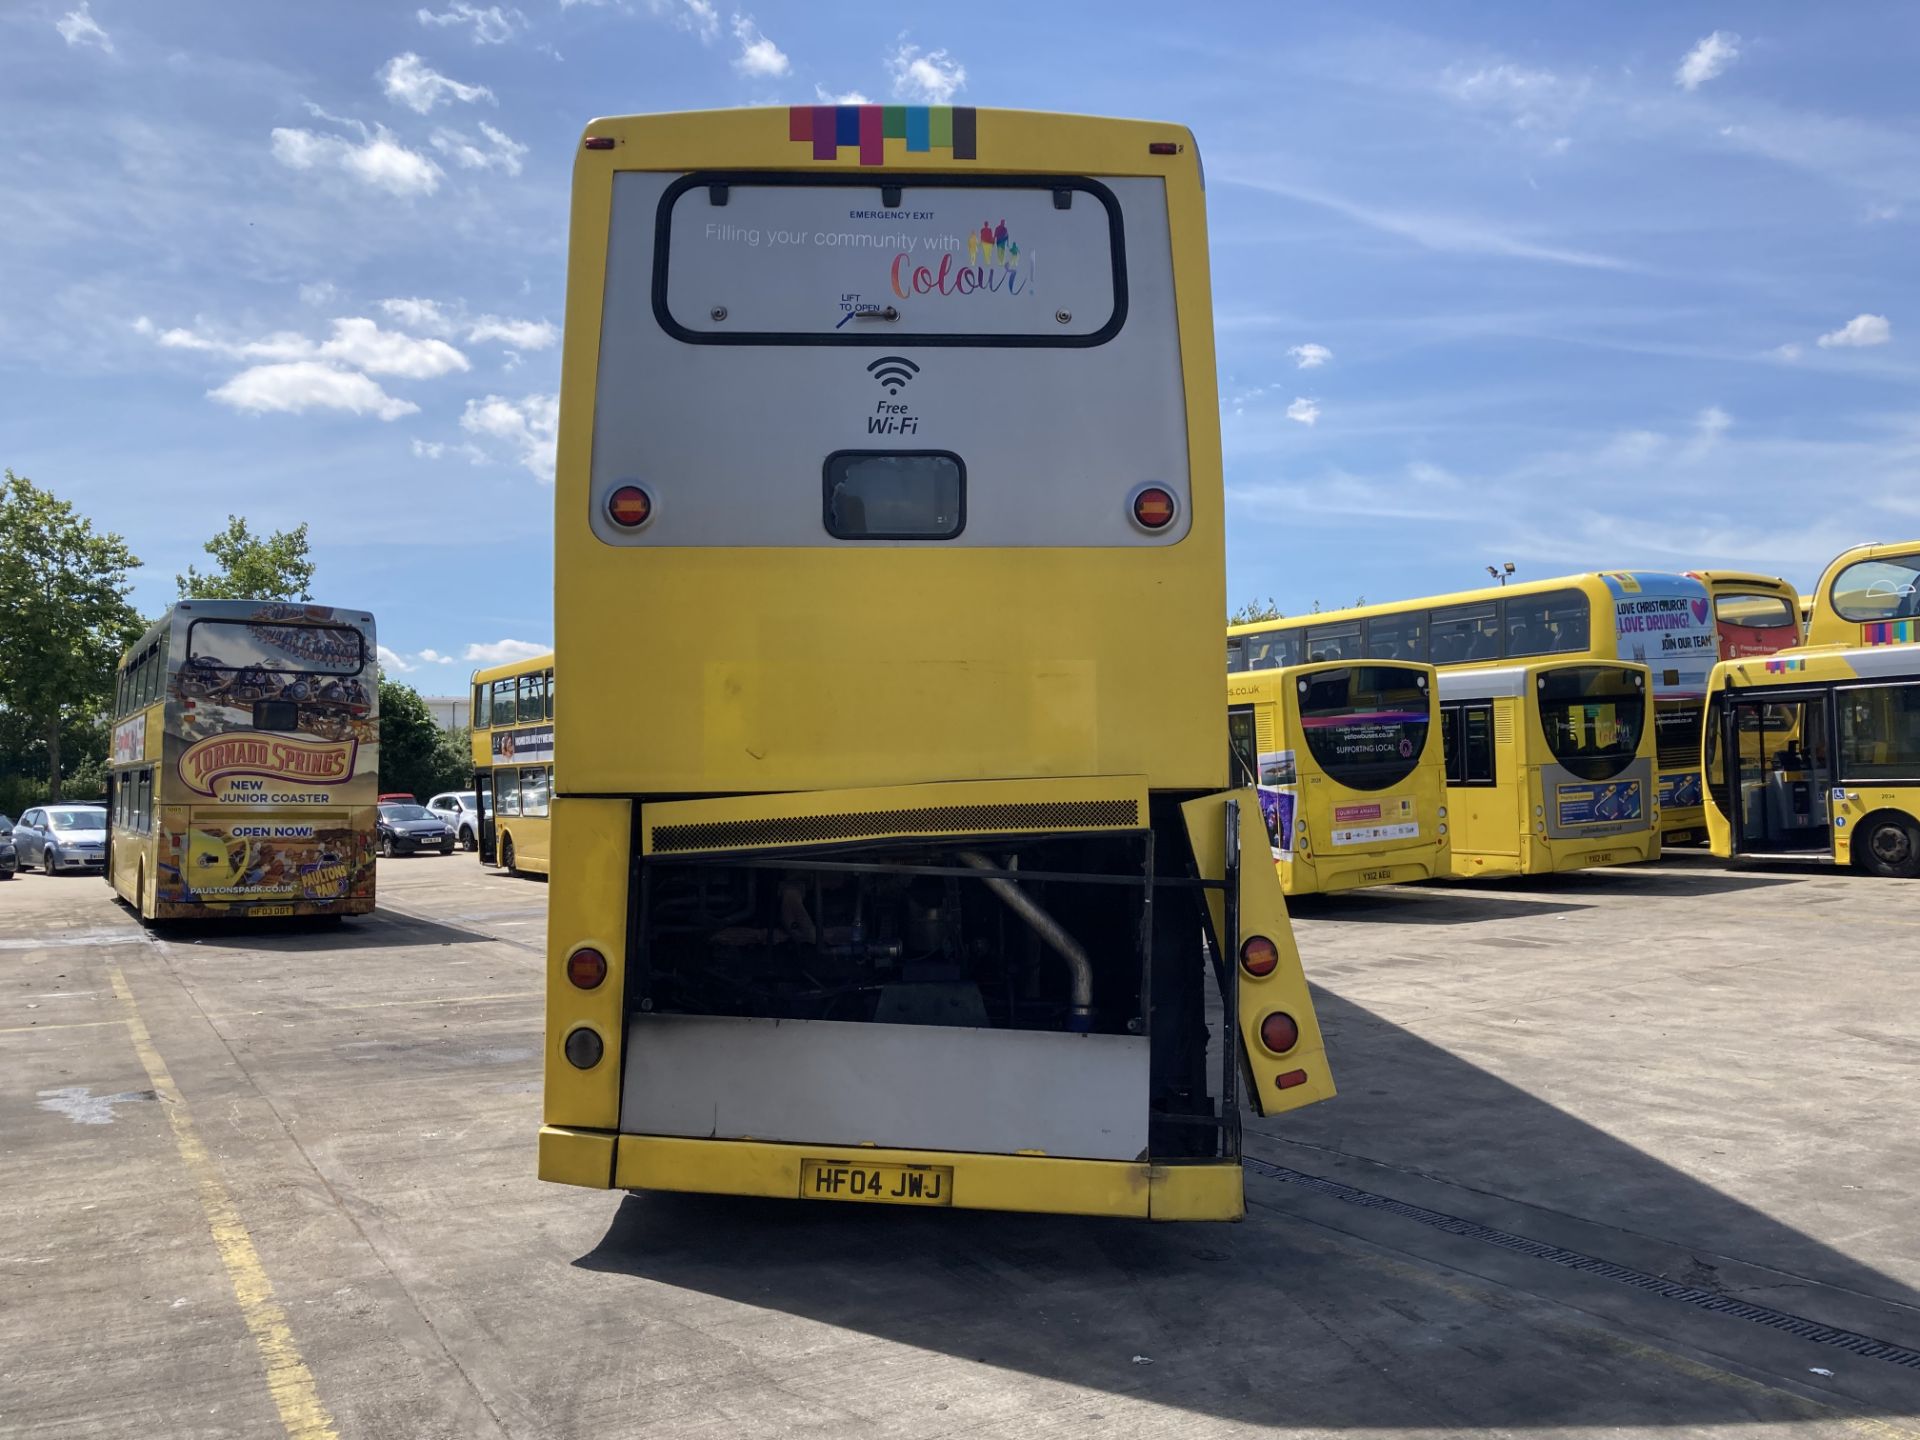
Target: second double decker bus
[[1347, 762], [1752, 614], [893, 851], [1550, 766], [1660, 620], [245, 763], [1868, 595], [513, 764], [1815, 754]]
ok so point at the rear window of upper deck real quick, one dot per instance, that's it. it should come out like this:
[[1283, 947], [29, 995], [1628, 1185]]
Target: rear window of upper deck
[[927, 260]]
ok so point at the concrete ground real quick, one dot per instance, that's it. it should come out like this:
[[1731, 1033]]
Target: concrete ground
[[1630, 1152]]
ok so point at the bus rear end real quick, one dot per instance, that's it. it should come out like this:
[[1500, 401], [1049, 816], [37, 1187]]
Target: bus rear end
[[888, 821], [1347, 759], [1666, 622], [1868, 596]]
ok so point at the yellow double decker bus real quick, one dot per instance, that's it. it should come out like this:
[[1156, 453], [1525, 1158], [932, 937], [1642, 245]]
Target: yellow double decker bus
[[513, 764], [1663, 621], [893, 851], [1551, 766], [245, 763], [1815, 754], [1347, 761], [1868, 595], [1752, 614]]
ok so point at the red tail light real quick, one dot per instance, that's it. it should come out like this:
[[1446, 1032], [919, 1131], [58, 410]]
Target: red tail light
[[587, 968], [598, 142], [1290, 1079], [1259, 956], [1279, 1032], [630, 507], [1154, 507]]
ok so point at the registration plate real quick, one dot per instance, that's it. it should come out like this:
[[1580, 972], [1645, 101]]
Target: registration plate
[[878, 1184], [270, 910], [1600, 857], [1373, 876]]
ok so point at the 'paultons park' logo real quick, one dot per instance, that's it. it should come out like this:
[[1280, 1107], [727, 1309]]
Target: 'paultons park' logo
[[221, 765], [995, 266]]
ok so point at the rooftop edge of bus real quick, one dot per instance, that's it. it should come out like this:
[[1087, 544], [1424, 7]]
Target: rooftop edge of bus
[[1868, 594]]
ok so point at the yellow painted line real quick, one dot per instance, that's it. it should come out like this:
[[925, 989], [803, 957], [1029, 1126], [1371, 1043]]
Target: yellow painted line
[[65, 1025], [444, 1000], [290, 1382]]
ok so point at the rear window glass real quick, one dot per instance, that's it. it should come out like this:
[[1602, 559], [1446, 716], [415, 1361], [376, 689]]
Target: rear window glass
[[239, 645], [910, 495], [763, 258], [1870, 590]]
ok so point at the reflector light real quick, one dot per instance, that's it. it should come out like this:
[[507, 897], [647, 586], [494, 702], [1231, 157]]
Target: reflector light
[[1162, 147], [584, 1048], [587, 968], [1259, 956], [1290, 1079], [630, 507], [1279, 1033], [599, 142], [1154, 507]]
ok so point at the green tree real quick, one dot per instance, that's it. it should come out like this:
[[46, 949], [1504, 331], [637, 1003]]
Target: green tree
[[409, 741], [64, 619], [252, 567], [1256, 610]]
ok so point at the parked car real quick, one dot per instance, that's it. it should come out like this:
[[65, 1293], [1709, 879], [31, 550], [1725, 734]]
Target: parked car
[[461, 810], [9, 857], [62, 837], [397, 797], [413, 830], [6, 825]]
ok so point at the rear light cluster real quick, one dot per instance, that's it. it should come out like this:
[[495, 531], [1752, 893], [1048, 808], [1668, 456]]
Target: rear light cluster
[[1259, 956], [1279, 1031], [584, 1048], [630, 507], [1154, 508], [587, 968]]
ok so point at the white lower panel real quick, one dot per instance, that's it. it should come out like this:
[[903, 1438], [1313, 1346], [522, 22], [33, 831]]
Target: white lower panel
[[925, 1087]]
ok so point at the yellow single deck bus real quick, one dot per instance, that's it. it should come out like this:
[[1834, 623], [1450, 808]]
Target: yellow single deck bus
[[1828, 768], [1659, 620], [1752, 614], [1551, 766], [513, 763], [893, 850], [1869, 595], [246, 756], [1347, 760]]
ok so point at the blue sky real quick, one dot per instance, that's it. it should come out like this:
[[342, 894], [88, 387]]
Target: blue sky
[[1573, 286]]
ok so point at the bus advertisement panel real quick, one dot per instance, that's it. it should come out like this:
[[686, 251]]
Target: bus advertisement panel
[[245, 784], [1665, 622]]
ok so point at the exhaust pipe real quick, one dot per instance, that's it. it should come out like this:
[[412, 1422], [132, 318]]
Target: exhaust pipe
[[1080, 1008]]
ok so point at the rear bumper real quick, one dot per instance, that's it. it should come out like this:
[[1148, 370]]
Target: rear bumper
[[1042, 1184]]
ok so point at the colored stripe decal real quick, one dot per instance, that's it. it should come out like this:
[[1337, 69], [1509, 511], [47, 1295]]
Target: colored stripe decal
[[917, 137], [872, 150], [894, 127], [799, 122], [847, 124], [963, 133], [824, 140], [940, 120]]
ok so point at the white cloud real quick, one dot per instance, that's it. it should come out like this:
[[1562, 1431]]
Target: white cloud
[[932, 77], [698, 16], [499, 652], [1710, 427], [1877, 211], [851, 97], [527, 427], [491, 26], [320, 292], [1861, 330], [411, 82], [377, 160], [427, 449], [1310, 356], [419, 314], [521, 334], [393, 660], [758, 55], [302, 385], [1304, 410], [78, 28], [440, 449], [1707, 59], [362, 344], [500, 152], [434, 657]]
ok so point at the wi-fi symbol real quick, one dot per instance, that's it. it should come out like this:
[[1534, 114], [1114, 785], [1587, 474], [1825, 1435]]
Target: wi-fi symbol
[[893, 371]]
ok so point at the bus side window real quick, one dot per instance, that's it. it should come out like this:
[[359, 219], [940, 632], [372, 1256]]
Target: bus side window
[[1477, 745], [477, 717], [1242, 747], [1450, 744], [549, 692], [503, 702]]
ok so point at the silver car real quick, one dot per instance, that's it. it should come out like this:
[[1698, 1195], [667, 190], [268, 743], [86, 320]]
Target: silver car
[[461, 810], [62, 837]]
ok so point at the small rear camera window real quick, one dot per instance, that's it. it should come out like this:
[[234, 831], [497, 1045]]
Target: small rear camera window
[[895, 495], [276, 715]]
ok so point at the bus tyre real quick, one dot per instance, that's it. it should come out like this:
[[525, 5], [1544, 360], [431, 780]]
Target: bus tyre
[[506, 855], [1888, 845]]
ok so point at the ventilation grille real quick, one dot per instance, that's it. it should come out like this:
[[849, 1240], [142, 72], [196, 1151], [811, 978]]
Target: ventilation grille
[[875, 824], [1263, 728], [1503, 724]]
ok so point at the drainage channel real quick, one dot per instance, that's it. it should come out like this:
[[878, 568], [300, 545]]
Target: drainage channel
[[1851, 1341]]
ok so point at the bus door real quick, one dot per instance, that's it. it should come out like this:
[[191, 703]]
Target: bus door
[[1783, 770], [483, 796]]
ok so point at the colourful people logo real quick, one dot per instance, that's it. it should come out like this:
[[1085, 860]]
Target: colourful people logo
[[994, 267], [993, 246]]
